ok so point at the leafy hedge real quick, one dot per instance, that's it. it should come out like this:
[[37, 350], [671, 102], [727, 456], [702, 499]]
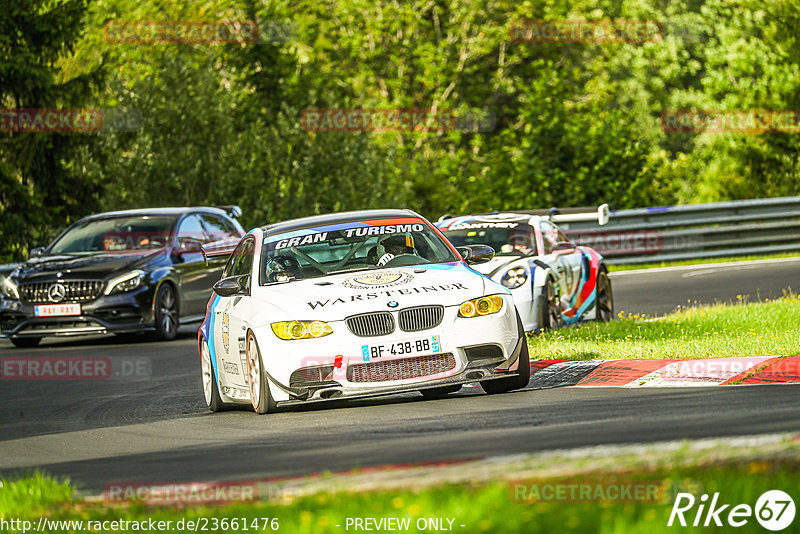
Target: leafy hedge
[[573, 123]]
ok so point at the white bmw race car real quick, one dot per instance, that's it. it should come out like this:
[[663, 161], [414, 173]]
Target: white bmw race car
[[353, 305], [553, 280]]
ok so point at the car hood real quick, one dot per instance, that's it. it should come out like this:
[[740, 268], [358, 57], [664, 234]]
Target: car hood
[[95, 266], [499, 265], [338, 296]]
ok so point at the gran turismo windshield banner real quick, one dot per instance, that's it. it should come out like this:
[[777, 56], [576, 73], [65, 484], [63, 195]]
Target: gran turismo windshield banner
[[351, 231]]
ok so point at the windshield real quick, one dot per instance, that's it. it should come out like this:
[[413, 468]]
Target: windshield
[[116, 234], [353, 246], [507, 239]]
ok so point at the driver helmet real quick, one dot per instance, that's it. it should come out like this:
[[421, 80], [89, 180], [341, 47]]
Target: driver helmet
[[396, 245], [521, 240], [281, 267]]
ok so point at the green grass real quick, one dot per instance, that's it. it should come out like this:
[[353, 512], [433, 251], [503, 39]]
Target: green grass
[[701, 261], [770, 328], [18, 496], [493, 507]]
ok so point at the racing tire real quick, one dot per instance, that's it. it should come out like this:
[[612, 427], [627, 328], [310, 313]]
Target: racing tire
[[504, 385], [165, 313], [210, 387], [25, 342], [435, 393], [550, 311], [605, 297], [260, 397]]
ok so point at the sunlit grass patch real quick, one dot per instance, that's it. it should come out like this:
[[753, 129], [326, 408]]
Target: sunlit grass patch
[[700, 261], [36, 492], [770, 328], [495, 506]]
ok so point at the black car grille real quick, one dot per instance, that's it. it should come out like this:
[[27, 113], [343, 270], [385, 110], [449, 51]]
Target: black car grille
[[420, 318], [74, 290], [371, 324], [119, 315], [384, 371]]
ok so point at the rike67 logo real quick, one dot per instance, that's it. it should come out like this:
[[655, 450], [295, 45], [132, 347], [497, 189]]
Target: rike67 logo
[[774, 510]]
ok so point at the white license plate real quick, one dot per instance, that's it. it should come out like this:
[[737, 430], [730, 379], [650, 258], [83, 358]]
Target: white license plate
[[406, 347], [56, 310]]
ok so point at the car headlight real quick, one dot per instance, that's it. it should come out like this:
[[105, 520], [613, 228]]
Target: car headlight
[[301, 329], [9, 289], [125, 282], [514, 277], [481, 306]]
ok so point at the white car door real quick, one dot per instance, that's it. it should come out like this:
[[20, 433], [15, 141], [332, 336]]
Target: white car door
[[229, 332], [567, 261]]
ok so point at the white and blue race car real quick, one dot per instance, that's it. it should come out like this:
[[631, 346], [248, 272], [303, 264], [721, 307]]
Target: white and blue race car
[[353, 305], [553, 280]]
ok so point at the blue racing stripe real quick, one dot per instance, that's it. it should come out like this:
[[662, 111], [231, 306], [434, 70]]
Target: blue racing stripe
[[436, 266], [212, 352]]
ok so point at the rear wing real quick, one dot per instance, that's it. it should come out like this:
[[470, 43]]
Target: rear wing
[[233, 211], [219, 249], [563, 215], [568, 215]]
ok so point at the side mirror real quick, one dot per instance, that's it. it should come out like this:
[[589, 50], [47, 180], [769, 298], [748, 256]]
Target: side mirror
[[475, 254], [36, 252], [564, 245], [232, 285], [189, 245]]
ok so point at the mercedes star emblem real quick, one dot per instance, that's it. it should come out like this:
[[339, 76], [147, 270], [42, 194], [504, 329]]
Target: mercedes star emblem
[[57, 292]]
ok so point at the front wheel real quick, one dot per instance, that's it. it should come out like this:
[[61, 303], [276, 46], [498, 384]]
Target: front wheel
[[550, 307], [504, 385], [210, 388], [257, 378], [166, 312], [605, 298]]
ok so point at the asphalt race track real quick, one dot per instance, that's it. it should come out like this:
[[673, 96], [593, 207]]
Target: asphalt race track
[[156, 429], [660, 291]]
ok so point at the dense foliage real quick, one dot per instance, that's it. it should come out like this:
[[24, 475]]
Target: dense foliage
[[573, 123]]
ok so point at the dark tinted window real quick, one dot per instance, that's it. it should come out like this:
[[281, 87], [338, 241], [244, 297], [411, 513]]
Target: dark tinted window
[[549, 236], [191, 229], [349, 247], [241, 261], [116, 234], [514, 239], [219, 228]]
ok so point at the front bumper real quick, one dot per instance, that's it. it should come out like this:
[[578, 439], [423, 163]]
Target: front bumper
[[118, 313], [482, 348], [469, 375]]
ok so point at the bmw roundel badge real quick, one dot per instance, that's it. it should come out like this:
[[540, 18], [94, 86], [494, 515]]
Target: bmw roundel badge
[[392, 304]]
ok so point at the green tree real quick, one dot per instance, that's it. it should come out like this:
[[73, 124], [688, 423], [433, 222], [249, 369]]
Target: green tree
[[41, 188]]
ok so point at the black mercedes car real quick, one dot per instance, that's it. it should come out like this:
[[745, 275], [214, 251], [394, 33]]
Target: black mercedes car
[[120, 272]]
